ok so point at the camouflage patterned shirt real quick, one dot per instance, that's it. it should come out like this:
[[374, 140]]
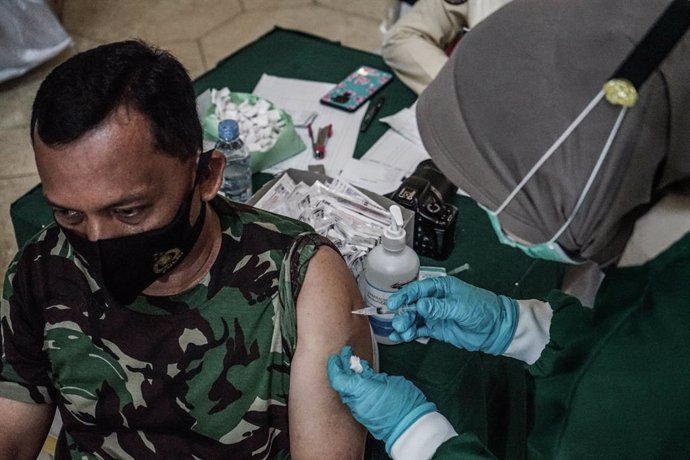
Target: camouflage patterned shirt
[[203, 374]]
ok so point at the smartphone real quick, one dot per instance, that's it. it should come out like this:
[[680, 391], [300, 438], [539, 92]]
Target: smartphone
[[357, 88]]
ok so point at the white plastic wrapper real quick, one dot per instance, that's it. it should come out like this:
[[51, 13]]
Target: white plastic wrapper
[[336, 210], [29, 35]]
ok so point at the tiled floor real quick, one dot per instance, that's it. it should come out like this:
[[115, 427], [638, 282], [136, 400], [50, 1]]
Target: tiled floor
[[198, 32]]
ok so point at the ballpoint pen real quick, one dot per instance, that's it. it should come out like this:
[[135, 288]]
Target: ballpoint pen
[[371, 113], [311, 137]]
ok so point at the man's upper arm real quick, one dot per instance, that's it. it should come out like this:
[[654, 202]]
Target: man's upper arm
[[23, 428], [320, 425], [25, 419]]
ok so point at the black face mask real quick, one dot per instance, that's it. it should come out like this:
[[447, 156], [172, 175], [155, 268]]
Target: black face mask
[[129, 264]]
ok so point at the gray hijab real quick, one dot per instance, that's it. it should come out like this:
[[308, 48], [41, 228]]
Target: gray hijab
[[519, 79]]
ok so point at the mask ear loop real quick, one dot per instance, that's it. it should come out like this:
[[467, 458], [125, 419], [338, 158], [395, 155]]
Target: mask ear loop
[[551, 151], [201, 167], [595, 172]]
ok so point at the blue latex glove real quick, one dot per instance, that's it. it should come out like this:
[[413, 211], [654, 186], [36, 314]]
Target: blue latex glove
[[385, 405], [456, 312]]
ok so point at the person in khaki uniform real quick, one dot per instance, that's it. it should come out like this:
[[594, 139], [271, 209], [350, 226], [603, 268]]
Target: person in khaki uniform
[[415, 46]]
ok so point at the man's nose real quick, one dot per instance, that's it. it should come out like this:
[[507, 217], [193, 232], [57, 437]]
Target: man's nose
[[95, 229]]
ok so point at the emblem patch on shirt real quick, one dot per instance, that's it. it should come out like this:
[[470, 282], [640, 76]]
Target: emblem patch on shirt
[[164, 261]]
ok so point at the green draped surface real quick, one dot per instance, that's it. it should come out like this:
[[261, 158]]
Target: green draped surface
[[456, 380]]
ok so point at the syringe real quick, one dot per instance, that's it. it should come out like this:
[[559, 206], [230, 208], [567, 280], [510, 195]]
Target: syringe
[[369, 311]]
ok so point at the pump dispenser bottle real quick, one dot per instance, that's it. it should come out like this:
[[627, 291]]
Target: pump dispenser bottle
[[388, 267]]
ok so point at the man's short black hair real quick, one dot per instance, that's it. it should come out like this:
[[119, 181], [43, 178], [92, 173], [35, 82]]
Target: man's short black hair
[[81, 92]]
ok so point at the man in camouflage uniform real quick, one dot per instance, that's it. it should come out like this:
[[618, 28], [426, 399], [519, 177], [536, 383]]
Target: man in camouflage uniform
[[162, 320]]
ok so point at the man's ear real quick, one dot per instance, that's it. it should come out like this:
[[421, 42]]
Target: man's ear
[[212, 179]]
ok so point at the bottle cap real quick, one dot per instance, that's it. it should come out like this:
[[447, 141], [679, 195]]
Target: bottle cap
[[393, 238], [228, 129]]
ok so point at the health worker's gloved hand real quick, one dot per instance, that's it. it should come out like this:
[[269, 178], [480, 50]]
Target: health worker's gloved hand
[[456, 312], [385, 405]]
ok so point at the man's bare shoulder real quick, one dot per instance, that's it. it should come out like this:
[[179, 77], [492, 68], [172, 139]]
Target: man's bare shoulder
[[329, 293]]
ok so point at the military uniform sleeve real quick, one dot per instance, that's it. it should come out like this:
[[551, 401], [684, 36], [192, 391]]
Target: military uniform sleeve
[[414, 47], [23, 364]]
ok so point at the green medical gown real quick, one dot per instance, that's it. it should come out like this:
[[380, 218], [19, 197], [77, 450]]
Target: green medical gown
[[614, 381]]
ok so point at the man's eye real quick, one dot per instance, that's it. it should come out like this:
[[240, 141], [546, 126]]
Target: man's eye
[[67, 217], [127, 213]]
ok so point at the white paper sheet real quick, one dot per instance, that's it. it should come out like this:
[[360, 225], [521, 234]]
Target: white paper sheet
[[405, 123], [300, 96], [373, 176], [397, 152]]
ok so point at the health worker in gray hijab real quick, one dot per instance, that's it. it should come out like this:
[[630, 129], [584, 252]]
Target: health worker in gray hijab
[[572, 130]]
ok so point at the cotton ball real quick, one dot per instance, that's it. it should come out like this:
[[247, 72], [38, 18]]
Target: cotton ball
[[229, 114], [248, 110], [220, 97], [253, 147], [262, 106], [273, 116], [261, 120], [356, 364], [245, 125], [251, 138], [221, 100], [265, 132]]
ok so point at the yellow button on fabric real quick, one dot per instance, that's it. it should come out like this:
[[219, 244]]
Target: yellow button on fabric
[[620, 92]]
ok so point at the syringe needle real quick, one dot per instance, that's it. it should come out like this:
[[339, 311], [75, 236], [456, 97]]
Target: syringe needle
[[368, 311]]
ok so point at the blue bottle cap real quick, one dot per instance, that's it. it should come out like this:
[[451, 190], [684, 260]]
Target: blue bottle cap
[[228, 129]]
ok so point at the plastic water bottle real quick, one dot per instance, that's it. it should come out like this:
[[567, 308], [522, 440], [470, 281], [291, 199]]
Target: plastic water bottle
[[237, 178]]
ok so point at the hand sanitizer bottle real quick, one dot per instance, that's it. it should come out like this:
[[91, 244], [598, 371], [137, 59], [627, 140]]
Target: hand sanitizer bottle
[[388, 267]]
